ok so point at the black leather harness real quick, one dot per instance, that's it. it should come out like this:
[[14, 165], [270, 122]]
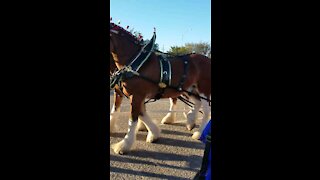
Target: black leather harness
[[165, 72], [133, 67], [131, 70]]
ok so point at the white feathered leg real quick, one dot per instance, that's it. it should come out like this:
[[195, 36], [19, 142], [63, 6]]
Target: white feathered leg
[[126, 144], [206, 116], [184, 113], [171, 116], [193, 114], [153, 129], [141, 126]]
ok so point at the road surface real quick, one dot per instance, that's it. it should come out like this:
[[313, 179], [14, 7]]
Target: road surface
[[174, 156]]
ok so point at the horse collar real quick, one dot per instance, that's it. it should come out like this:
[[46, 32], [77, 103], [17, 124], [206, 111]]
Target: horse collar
[[143, 55]]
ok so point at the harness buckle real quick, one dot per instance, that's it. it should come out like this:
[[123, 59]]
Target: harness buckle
[[162, 85]]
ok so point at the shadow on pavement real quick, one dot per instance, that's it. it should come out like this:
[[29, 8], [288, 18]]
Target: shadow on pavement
[[180, 143], [176, 133], [141, 136], [191, 166], [160, 155], [148, 174], [180, 124]]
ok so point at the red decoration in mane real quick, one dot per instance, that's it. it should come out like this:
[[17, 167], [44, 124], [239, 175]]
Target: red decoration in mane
[[116, 27]]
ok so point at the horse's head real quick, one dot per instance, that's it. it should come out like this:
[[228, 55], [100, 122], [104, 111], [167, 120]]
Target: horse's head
[[123, 45]]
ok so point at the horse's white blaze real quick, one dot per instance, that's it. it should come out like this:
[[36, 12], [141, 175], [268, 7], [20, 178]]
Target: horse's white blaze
[[126, 144], [153, 129], [171, 116], [206, 116]]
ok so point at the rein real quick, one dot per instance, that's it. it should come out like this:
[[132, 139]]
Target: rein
[[127, 70]]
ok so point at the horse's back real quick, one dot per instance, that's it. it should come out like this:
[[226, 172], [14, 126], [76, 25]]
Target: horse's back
[[203, 66], [199, 71]]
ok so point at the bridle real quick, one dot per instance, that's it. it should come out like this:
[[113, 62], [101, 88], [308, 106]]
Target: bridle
[[119, 33]]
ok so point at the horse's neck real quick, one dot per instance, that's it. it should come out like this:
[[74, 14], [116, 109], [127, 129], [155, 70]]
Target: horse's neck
[[113, 66], [125, 56], [119, 66]]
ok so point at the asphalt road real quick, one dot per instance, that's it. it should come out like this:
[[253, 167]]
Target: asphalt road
[[174, 156]]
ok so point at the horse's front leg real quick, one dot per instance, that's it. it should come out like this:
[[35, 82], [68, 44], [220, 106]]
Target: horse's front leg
[[116, 108], [125, 145], [206, 116], [171, 116], [192, 115], [153, 129]]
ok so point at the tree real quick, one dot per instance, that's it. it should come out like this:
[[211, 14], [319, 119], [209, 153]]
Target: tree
[[199, 48], [156, 46], [176, 50]]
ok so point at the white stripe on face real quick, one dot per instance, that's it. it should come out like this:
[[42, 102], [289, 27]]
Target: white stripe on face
[[114, 31]]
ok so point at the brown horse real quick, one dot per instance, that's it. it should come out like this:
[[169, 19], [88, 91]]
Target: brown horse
[[140, 84], [118, 96]]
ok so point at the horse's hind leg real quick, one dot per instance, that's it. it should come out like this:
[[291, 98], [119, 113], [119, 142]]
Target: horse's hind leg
[[125, 145], [141, 126], [116, 108], [171, 116], [185, 109], [193, 114], [153, 129], [206, 116]]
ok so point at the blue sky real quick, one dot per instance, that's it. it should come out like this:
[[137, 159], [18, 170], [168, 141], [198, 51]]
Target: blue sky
[[177, 21]]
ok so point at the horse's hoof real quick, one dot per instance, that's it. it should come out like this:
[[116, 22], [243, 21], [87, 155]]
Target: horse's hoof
[[119, 148], [151, 138], [167, 120], [141, 126], [190, 126], [196, 135]]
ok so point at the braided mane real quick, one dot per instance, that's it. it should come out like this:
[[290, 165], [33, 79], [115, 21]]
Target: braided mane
[[114, 26]]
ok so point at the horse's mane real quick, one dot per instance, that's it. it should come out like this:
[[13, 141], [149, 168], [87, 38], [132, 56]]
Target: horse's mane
[[134, 38]]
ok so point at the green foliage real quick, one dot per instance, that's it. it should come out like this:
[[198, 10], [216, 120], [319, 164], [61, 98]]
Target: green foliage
[[203, 48], [176, 50], [199, 48], [156, 46]]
